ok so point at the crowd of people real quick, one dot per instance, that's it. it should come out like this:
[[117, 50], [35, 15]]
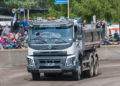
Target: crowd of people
[[15, 38], [102, 24], [107, 39]]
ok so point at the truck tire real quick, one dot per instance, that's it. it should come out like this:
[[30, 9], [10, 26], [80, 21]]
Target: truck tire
[[89, 73], [96, 67], [35, 76], [77, 74]]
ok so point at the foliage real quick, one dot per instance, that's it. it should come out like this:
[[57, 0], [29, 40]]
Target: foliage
[[21, 3], [108, 9]]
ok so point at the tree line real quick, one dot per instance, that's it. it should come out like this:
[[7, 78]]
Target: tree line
[[108, 9]]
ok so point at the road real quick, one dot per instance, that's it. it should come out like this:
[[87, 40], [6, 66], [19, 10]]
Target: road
[[109, 75]]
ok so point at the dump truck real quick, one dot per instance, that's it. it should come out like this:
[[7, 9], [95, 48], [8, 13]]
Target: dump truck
[[60, 46]]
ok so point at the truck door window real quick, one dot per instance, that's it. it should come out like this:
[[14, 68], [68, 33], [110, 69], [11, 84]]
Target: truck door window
[[75, 32]]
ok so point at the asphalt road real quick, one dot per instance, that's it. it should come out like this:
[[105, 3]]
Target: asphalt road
[[109, 75]]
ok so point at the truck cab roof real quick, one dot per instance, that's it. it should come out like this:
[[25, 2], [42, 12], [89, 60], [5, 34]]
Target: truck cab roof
[[53, 23]]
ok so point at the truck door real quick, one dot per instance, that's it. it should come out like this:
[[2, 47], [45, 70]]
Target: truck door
[[76, 36], [80, 38]]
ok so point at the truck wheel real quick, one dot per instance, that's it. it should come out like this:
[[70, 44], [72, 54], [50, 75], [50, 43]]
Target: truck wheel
[[35, 76], [89, 73], [96, 67], [77, 74]]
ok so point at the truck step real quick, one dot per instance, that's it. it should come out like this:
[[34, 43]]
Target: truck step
[[87, 68]]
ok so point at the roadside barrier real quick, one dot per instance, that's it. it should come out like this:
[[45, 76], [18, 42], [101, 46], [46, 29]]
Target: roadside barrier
[[12, 57], [105, 46]]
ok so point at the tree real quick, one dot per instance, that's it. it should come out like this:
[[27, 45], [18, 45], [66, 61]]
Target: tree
[[2, 3], [22, 4], [108, 9]]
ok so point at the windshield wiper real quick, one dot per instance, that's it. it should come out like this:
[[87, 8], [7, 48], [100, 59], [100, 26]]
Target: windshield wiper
[[41, 41], [60, 41]]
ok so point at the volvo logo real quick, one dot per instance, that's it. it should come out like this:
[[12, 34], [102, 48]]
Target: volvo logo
[[50, 47]]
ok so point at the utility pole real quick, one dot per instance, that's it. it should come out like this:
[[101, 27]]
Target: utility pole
[[68, 9], [24, 13]]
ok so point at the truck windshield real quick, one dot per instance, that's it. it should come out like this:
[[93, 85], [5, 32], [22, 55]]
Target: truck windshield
[[52, 35]]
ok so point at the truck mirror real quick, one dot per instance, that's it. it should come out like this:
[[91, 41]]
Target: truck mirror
[[32, 27]]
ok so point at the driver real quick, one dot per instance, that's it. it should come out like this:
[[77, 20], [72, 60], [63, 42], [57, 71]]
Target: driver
[[38, 35]]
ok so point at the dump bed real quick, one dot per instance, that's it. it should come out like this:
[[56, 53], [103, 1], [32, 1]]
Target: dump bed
[[91, 38]]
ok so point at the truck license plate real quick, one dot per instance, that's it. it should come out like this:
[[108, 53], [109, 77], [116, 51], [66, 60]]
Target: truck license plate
[[49, 64]]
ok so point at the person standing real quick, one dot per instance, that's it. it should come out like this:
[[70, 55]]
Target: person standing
[[98, 24], [116, 35], [0, 30], [16, 26], [84, 24], [6, 31], [25, 24], [103, 29], [2, 42]]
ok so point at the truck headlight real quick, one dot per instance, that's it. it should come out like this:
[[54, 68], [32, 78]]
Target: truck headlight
[[70, 61], [30, 61]]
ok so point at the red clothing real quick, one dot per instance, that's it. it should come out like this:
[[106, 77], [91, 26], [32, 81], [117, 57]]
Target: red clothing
[[9, 36]]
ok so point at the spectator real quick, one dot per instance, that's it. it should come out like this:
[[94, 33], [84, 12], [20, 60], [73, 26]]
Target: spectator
[[16, 26], [108, 23], [26, 37], [2, 42], [25, 24], [116, 35], [103, 29], [11, 35], [12, 45], [1, 47], [6, 31], [98, 24], [0, 30], [20, 44], [84, 24], [21, 29], [107, 40]]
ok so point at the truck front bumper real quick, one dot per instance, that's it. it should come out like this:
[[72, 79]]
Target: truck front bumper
[[51, 64], [65, 69]]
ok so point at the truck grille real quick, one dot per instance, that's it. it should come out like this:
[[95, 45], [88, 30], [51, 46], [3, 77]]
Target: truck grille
[[49, 61], [49, 67], [37, 46], [49, 64], [60, 53]]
